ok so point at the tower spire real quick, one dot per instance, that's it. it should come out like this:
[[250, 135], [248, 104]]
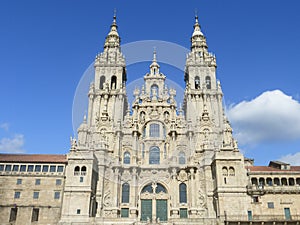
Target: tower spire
[[196, 15], [154, 54], [198, 39], [113, 39], [154, 67]]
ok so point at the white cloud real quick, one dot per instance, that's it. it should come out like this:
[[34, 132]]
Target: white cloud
[[272, 116], [4, 126], [12, 145], [293, 159]]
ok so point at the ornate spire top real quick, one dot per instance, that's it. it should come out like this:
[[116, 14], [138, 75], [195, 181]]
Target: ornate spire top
[[198, 39], [154, 67], [154, 54], [196, 17], [113, 39], [197, 28], [115, 14]]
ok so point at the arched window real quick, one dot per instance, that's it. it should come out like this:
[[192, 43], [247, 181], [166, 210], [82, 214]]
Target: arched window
[[182, 193], [269, 181], [261, 181], [276, 181], [231, 171], [154, 90], [126, 159], [142, 116], [77, 171], [254, 181], [181, 158], [154, 155], [291, 181], [147, 188], [197, 82], [208, 82], [83, 171], [166, 115], [102, 81], [160, 188], [225, 171], [113, 84], [154, 130], [283, 181], [125, 193]]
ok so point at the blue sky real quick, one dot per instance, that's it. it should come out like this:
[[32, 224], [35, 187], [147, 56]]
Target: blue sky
[[45, 47]]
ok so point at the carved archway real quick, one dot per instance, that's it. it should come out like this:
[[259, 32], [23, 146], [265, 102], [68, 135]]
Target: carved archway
[[154, 203]]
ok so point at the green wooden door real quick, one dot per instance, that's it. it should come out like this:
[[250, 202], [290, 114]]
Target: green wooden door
[[146, 209], [162, 209]]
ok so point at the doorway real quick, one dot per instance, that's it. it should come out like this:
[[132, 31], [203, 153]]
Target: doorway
[[154, 203]]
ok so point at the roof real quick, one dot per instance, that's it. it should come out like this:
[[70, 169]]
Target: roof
[[271, 169], [279, 162], [33, 158]]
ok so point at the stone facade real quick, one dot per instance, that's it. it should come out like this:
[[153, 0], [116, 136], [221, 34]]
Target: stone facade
[[31, 188], [154, 162]]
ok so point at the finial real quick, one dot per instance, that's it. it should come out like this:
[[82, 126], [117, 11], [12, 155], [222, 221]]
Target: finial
[[196, 15], [154, 67], [113, 39], [154, 54], [115, 14], [114, 23], [180, 109], [128, 109]]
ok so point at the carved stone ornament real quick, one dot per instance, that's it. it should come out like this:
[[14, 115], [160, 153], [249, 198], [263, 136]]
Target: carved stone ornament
[[154, 176], [182, 176], [101, 121], [202, 200], [107, 199], [154, 113], [126, 176]]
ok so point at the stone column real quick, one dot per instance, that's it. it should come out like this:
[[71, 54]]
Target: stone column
[[135, 148], [154, 185], [174, 192], [90, 109], [115, 188], [192, 183], [133, 194], [100, 192], [175, 188]]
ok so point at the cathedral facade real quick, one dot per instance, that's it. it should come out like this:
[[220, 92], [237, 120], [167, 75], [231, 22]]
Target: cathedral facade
[[152, 161]]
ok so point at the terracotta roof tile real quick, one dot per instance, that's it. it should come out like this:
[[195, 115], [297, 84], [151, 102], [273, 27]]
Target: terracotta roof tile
[[35, 158], [271, 169], [295, 168]]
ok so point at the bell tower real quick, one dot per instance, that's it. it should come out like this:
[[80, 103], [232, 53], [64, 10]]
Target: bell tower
[[107, 95], [202, 88]]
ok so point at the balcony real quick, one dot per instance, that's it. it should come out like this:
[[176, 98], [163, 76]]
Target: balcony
[[265, 189]]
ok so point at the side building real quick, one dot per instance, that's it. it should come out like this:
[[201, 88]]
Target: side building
[[31, 188]]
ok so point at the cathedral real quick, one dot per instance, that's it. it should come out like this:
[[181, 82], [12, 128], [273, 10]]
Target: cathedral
[[150, 161]]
